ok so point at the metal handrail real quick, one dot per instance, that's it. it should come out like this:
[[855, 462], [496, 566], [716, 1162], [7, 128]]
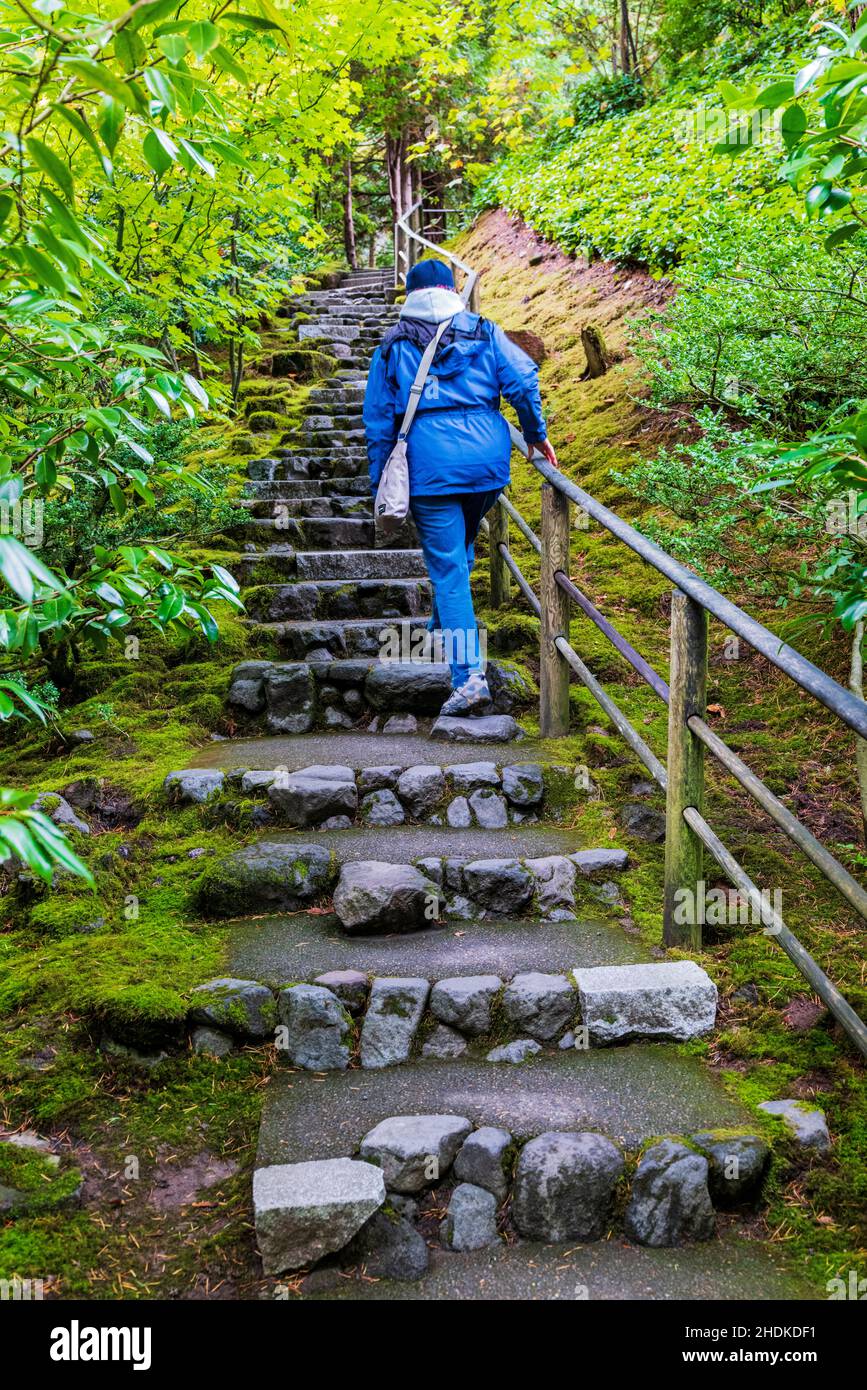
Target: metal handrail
[[798, 833], [819, 684], [402, 225]]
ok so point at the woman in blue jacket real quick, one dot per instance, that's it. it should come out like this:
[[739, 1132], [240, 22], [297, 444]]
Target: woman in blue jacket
[[459, 448]]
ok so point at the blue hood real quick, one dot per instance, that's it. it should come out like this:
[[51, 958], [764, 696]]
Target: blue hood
[[459, 441]]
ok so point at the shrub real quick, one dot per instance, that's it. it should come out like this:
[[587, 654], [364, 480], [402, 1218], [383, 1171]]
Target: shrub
[[604, 96]]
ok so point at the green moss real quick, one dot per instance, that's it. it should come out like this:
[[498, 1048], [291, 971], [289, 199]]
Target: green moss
[[36, 1183], [264, 421], [207, 710], [303, 364]]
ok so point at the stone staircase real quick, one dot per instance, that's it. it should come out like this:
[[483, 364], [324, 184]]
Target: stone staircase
[[310, 514], [443, 960], [315, 583]]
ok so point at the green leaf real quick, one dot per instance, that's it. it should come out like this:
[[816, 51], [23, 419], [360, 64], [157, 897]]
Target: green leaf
[[202, 37], [171, 607], [776, 95], [159, 150], [223, 59], [161, 87], [80, 126], [155, 11], [52, 165], [793, 125], [20, 567], [47, 274], [69, 224], [111, 118], [174, 46], [100, 76], [17, 835], [196, 389], [807, 76], [838, 198], [159, 401], [197, 158], [130, 49], [249, 21], [226, 579], [206, 621], [229, 153]]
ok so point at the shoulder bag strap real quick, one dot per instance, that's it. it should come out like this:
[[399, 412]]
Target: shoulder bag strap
[[420, 378]]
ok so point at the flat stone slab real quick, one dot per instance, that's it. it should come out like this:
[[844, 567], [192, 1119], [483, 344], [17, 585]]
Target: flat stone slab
[[667, 1000], [268, 873], [283, 950], [489, 728], [629, 1093], [195, 785], [394, 1012], [415, 1151], [306, 1210]]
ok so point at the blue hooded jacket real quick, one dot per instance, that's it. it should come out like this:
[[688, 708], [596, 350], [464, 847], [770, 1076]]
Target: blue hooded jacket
[[459, 441]]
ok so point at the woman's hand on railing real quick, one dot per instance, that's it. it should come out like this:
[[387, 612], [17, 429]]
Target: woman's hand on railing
[[546, 448]]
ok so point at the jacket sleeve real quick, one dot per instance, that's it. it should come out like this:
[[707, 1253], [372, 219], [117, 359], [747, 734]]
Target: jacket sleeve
[[380, 424], [518, 376]]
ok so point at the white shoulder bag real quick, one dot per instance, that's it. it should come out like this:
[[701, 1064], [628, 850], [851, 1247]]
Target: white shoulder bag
[[392, 495]]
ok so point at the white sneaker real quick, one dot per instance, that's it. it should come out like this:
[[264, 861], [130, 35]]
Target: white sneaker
[[472, 698]]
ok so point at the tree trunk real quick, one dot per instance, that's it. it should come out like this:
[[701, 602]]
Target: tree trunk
[[236, 349], [856, 685], [395, 149], [434, 193], [595, 351], [628, 57], [349, 221], [168, 348]]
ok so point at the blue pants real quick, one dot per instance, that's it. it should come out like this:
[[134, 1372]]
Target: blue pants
[[447, 526]]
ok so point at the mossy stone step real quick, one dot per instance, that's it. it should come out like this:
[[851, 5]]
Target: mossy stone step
[[368, 750], [729, 1268], [629, 1093], [296, 489], [309, 532], [324, 641], [283, 949], [262, 567], [324, 599], [276, 507], [355, 564]]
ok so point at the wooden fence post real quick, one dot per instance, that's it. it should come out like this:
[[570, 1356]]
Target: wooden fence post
[[683, 849], [498, 522], [553, 673]]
